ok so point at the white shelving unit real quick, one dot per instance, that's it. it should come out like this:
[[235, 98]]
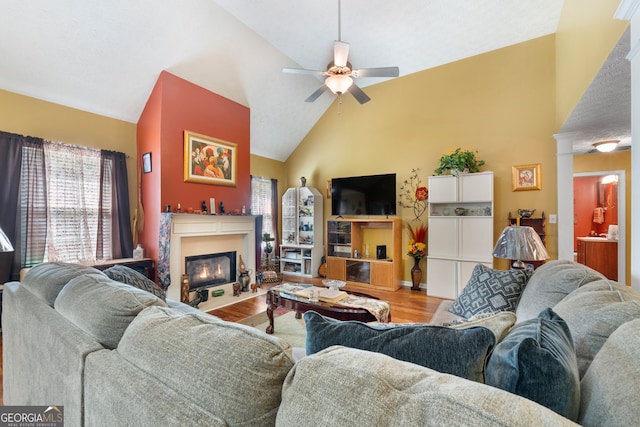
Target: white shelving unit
[[302, 228], [460, 230]]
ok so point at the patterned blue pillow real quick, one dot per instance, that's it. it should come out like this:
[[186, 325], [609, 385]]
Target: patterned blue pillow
[[460, 352], [490, 291], [537, 360]]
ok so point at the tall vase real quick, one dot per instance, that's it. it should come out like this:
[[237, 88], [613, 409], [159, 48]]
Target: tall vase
[[416, 274]]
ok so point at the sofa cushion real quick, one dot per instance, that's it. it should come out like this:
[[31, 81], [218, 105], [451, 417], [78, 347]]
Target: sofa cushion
[[498, 323], [233, 370], [460, 352], [593, 312], [610, 390], [347, 387], [47, 279], [550, 283], [536, 360], [124, 274], [102, 307], [490, 291]]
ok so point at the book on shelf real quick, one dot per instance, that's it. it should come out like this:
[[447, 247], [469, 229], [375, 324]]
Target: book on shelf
[[324, 294]]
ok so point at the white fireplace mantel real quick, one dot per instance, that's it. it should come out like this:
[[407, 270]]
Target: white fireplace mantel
[[193, 234]]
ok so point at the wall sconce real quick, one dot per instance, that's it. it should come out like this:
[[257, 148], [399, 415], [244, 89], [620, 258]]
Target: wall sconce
[[606, 146]]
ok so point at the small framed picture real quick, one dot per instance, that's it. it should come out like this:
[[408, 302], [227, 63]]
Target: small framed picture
[[146, 162], [526, 177]]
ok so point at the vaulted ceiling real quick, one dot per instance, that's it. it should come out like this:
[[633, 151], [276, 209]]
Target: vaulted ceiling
[[104, 57]]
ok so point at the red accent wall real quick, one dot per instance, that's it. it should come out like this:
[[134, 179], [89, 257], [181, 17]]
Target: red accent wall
[[176, 105], [586, 188]]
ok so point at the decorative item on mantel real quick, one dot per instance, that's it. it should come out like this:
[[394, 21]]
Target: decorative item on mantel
[[413, 195], [417, 249]]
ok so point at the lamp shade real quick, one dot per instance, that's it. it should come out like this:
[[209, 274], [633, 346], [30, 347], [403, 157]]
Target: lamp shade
[[520, 244], [5, 243], [606, 146]]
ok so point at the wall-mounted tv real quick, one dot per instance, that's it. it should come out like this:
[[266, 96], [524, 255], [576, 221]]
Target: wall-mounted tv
[[364, 195]]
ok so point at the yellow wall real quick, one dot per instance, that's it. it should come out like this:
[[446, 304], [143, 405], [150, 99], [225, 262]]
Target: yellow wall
[[618, 160], [500, 103], [586, 34], [32, 117]]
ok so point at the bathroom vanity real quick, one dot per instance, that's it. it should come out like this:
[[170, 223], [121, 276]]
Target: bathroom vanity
[[599, 253]]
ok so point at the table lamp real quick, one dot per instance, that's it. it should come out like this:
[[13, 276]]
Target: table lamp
[[520, 244], [6, 249]]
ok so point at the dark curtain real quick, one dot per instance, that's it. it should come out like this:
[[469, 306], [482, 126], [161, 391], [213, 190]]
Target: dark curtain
[[122, 243], [275, 202], [11, 158]]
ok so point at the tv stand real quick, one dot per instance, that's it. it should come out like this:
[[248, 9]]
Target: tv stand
[[346, 237]]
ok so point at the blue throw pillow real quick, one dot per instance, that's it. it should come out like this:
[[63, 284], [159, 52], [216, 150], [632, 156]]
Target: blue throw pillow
[[460, 352], [537, 360]]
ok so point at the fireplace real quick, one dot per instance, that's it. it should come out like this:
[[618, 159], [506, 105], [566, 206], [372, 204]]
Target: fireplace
[[209, 270]]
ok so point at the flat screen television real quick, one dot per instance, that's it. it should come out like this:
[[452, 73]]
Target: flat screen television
[[364, 195]]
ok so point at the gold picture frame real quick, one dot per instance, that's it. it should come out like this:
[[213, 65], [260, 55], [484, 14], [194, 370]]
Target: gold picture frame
[[526, 177], [209, 160]]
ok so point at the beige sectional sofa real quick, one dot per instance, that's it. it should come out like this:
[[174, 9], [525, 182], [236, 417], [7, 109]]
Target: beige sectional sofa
[[113, 354]]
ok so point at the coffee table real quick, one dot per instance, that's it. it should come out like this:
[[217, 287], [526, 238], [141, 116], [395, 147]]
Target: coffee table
[[300, 305]]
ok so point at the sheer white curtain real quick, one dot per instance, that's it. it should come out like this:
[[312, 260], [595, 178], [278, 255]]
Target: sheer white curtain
[[75, 202]]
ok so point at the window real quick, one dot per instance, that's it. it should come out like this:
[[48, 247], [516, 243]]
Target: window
[[264, 201], [69, 211]]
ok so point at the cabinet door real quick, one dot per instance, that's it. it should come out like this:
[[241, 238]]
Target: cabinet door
[[441, 278], [476, 187], [443, 189], [476, 239], [336, 268], [443, 237], [382, 274]]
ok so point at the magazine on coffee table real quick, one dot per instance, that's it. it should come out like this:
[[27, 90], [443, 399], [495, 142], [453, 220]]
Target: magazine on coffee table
[[324, 294]]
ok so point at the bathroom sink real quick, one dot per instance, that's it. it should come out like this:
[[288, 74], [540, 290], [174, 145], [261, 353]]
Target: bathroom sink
[[595, 239]]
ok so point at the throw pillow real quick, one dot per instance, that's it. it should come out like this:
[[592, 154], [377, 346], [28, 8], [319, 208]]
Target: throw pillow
[[102, 307], [498, 323], [593, 312], [124, 274], [550, 283], [490, 291], [46, 280], [610, 388], [536, 360], [460, 352], [234, 371]]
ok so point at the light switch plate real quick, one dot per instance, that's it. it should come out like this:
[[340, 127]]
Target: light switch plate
[[553, 219]]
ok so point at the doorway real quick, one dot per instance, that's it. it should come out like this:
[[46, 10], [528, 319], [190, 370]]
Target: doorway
[[603, 197]]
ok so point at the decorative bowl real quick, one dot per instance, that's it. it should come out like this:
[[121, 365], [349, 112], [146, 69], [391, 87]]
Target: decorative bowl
[[526, 213], [460, 211], [333, 284]]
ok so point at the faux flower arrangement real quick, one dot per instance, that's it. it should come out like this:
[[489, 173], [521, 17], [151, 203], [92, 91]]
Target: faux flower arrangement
[[417, 247], [413, 195]]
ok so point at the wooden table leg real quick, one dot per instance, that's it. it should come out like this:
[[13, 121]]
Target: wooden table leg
[[272, 304]]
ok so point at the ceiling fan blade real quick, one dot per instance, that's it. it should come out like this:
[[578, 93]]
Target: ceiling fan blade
[[322, 89], [358, 94], [340, 53], [303, 71], [376, 72]]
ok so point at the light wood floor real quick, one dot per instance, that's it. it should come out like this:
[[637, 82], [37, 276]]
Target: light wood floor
[[406, 306]]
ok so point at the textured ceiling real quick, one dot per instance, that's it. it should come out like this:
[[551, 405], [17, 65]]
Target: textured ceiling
[[604, 111], [104, 57]]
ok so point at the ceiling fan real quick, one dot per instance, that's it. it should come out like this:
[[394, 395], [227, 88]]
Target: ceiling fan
[[340, 74]]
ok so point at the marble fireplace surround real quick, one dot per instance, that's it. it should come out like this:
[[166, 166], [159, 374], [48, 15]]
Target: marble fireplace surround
[[193, 234]]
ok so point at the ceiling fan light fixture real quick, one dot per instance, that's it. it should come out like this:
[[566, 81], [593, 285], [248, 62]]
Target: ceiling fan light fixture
[[606, 146], [338, 83]]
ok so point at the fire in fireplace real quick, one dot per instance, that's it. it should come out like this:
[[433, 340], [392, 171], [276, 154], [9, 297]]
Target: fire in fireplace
[[210, 269]]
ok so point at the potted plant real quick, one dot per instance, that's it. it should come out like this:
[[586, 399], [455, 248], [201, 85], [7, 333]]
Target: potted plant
[[459, 161]]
